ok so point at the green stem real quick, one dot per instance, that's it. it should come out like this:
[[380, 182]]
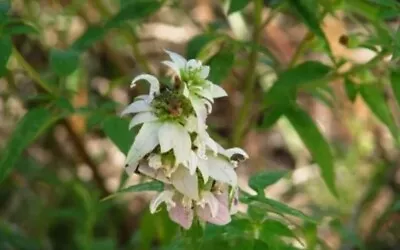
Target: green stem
[[250, 77]]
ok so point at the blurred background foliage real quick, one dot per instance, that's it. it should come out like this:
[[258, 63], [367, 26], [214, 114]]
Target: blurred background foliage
[[314, 89]]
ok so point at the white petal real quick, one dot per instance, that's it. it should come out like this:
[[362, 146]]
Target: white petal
[[191, 124], [192, 164], [185, 183], [166, 137], [186, 92], [142, 97], [154, 84], [155, 161], [177, 59], [136, 107], [232, 151], [142, 118], [203, 167], [182, 144], [207, 94], [146, 140], [204, 72], [222, 170], [213, 145], [200, 110], [153, 173], [217, 91], [173, 66], [193, 64], [164, 196]]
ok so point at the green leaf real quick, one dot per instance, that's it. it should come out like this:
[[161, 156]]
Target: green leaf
[[315, 142], [134, 11], [287, 83], [276, 227], [91, 36], [395, 83], [396, 206], [307, 11], [146, 186], [373, 96], [351, 89], [237, 5], [4, 9], [64, 62], [271, 116], [117, 129], [28, 129], [5, 52], [262, 180], [197, 43], [221, 65], [20, 28]]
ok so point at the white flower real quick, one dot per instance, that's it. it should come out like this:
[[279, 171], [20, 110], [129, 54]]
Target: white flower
[[219, 169]]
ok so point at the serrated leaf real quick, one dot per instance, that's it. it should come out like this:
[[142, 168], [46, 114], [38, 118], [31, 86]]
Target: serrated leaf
[[315, 143], [351, 89], [35, 122], [262, 180], [287, 83], [13, 29], [117, 129], [92, 35], [5, 52], [134, 11], [64, 62], [221, 64], [373, 96], [145, 186], [237, 5]]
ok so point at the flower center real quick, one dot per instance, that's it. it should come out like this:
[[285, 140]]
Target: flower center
[[172, 106]]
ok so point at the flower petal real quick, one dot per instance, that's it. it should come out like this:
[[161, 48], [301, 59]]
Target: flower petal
[[233, 151], [153, 173], [143, 117], [173, 66], [146, 140], [203, 167], [166, 137], [200, 110], [191, 124], [136, 107], [177, 59], [209, 199], [181, 215], [182, 145], [221, 170], [164, 196], [217, 91], [154, 84], [205, 71], [193, 64], [185, 183], [222, 217], [192, 164]]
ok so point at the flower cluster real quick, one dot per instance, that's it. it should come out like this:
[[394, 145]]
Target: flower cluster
[[173, 146]]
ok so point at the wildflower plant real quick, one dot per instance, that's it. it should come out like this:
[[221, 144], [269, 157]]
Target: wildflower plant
[[174, 147]]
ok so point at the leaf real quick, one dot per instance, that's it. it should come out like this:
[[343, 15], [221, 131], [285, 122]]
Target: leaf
[[315, 143], [91, 36], [197, 43], [287, 83], [395, 83], [396, 206], [237, 5], [146, 186], [276, 227], [64, 62], [28, 129], [307, 11], [134, 11], [351, 89], [262, 180], [20, 28], [373, 96], [271, 116], [5, 52], [4, 9], [220, 65], [117, 129]]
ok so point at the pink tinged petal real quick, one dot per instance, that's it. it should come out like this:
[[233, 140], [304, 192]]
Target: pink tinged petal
[[185, 183], [222, 217], [177, 59], [136, 107], [235, 201], [164, 196], [181, 215], [203, 167], [204, 72], [208, 199], [145, 141], [143, 117], [153, 173], [154, 84], [222, 170]]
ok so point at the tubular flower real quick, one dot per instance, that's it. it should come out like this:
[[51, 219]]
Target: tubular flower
[[174, 147]]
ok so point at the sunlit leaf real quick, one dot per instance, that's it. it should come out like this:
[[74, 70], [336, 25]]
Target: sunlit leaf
[[64, 62], [5, 52], [237, 5], [262, 180], [220, 65], [28, 129], [315, 143], [117, 129]]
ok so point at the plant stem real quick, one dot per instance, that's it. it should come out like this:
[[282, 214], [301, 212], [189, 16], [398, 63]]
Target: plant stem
[[250, 77]]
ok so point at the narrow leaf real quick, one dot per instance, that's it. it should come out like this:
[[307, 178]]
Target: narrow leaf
[[117, 130], [307, 11], [395, 83], [351, 89], [271, 116], [64, 62], [5, 52], [237, 5], [92, 35], [20, 28], [146, 186], [315, 142], [220, 65], [276, 227], [262, 180], [28, 128]]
